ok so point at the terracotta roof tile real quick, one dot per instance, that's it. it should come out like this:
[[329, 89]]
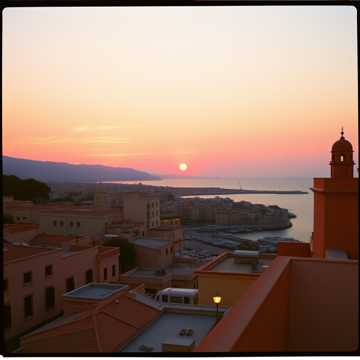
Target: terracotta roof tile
[[16, 252], [20, 227], [51, 240], [106, 328]]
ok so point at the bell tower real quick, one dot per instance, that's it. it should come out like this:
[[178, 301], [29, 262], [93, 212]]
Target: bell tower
[[336, 208], [342, 163]]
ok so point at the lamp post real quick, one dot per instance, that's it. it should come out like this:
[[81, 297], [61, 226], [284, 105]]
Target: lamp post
[[217, 300]]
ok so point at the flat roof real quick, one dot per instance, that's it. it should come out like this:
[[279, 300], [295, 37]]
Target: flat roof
[[228, 264], [15, 252], [179, 291], [146, 272], [152, 243], [95, 291], [168, 327]]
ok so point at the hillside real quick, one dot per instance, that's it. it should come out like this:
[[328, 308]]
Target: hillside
[[64, 172]]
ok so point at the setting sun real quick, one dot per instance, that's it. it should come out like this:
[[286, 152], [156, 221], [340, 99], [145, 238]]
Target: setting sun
[[183, 167]]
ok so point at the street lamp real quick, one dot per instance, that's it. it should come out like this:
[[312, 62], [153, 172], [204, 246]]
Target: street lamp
[[217, 300]]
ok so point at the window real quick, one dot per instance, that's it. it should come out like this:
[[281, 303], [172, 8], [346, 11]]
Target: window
[[165, 298], [105, 273], [18, 218], [167, 251], [70, 284], [28, 306], [176, 299], [341, 158], [27, 278], [7, 316], [48, 270], [24, 218], [49, 298], [71, 223], [113, 270], [78, 224], [89, 276], [186, 300], [55, 223], [61, 223], [5, 284]]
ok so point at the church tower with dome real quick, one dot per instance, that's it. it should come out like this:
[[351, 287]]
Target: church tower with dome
[[336, 209], [342, 162]]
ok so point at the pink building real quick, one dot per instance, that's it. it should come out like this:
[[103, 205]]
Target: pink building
[[35, 278]]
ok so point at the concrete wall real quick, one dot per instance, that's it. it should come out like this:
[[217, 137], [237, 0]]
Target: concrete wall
[[258, 321], [336, 211], [323, 306]]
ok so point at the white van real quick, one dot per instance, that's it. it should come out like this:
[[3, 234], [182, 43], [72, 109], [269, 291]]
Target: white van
[[177, 296]]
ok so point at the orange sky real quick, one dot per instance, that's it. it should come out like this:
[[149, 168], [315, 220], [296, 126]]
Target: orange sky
[[231, 91]]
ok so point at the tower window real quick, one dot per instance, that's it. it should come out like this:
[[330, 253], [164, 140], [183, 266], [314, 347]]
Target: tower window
[[341, 158]]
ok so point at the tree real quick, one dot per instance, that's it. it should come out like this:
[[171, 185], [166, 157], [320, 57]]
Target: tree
[[28, 189], [127, 258]]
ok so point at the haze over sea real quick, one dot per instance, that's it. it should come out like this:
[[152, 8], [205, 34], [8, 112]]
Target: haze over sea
[[300, 205]]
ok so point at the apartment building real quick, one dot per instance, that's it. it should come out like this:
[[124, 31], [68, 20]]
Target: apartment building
[[35, 278], [78, 221], [142, 207]]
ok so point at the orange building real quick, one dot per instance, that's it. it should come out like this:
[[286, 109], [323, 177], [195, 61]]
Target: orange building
[[308, 300], [336, 206]]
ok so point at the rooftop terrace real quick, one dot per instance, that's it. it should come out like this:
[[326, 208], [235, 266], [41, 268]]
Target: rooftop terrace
[[167, 329], [95, 291], [230, 263]]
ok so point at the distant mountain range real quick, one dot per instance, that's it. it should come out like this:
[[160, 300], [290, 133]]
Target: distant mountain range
[[49, 171]]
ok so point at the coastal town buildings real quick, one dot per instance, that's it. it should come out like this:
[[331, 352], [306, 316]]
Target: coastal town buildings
[[113, 318], [35, 278]]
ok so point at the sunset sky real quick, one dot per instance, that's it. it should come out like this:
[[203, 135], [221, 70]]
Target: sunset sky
[[230, 91]]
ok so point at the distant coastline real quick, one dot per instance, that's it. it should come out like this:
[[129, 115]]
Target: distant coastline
[[200, 191]]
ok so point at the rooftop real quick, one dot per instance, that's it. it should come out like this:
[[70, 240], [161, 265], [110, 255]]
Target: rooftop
[[20, 227], [297, 289], [146, 272], [230, 263], [44, 239], [105, 328], [167, 328], [95, 291], [152, 243], [17, 252]]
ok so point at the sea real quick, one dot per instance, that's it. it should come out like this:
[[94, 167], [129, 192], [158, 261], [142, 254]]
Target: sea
[[299, 204]]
